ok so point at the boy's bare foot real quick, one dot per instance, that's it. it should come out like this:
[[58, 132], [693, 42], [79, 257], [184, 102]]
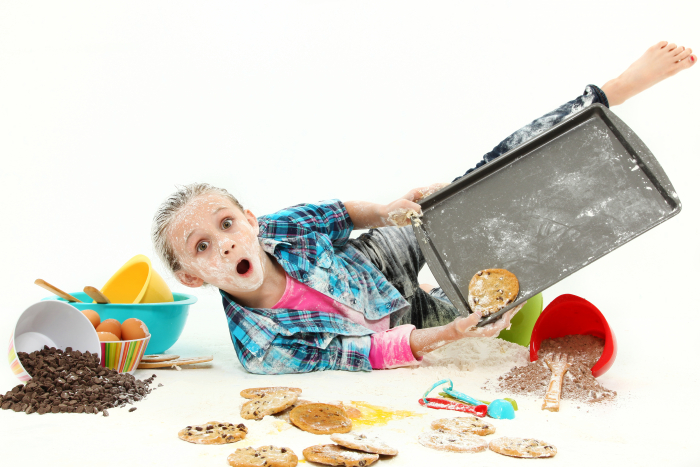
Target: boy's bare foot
[[658, 63]]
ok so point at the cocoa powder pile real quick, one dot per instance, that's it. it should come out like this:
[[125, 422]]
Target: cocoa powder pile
[[579, 384], [72, 382]]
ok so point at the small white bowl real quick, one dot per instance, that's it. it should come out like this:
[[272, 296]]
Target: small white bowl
[[53, 323]]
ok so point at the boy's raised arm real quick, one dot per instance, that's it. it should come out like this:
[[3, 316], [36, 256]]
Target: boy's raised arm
[[367, 215]]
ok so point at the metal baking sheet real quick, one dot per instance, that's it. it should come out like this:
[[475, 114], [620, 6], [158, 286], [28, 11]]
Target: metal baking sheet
[[547, 208]]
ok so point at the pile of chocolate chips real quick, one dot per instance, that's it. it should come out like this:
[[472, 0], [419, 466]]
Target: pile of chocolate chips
[[71, 381]]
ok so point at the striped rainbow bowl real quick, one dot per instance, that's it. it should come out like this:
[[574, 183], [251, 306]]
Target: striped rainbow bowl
[[124, 356], [15, 364]]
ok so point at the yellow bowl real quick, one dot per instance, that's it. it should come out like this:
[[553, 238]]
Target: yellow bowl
[[137, 282]]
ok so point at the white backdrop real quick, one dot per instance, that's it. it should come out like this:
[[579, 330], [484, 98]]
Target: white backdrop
[[105, 106]]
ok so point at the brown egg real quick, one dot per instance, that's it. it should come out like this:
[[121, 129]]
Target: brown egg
[[110, 325], [107, 337], [133, 328], [92, 316]]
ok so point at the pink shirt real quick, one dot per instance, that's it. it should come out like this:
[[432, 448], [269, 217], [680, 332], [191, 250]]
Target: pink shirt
[[390, 347]]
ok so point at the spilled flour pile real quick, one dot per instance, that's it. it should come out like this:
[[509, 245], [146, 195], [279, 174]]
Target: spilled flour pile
[[478, 352]]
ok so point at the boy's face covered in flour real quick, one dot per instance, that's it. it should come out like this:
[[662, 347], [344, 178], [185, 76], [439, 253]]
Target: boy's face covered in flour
[[217, 243]]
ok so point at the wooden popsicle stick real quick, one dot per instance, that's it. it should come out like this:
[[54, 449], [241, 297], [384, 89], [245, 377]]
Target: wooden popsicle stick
[[96, 295], [56, 290], [155, 358], [559, 365], [178, 362]]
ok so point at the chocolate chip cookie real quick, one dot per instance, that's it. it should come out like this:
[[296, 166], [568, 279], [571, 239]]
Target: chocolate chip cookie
[[213, 433], [267, 456], [455, 442], [254, 393], [268, 404], [465, 425], [522, 447], [320, 419], [364, 443], [491, 290], [332, 454]]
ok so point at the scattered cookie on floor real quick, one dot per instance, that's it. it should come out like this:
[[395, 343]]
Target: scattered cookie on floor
[[492, 289], [455, 442], [332, 454], [364, 443], [254, 393], [213, 433], [467, 425], [350, 411], [522, 447], [284, 415], [268, 404], [320, 419], [268, 456]]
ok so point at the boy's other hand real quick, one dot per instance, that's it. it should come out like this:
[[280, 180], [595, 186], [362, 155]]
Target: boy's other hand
[[466, 327], [424, 341]]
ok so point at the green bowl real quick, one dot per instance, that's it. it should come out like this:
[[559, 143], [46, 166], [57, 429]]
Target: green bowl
[[522, 323], [165, 321]]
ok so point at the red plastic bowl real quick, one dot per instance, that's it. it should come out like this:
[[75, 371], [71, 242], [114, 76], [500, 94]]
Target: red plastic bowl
[[568, 314]]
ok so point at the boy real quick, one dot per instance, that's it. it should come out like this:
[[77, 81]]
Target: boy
[[301, 296]]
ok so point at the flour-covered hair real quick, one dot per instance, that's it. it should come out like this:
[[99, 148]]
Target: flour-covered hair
[[167, 211]]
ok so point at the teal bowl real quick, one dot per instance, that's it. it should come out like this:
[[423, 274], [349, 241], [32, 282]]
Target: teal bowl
[[165, 321]]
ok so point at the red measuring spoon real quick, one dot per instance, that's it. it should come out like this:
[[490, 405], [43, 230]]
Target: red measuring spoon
[[437, 403]]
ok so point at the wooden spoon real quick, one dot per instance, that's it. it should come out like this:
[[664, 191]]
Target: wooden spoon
[[96, 295], [56, 290], [559, 364]]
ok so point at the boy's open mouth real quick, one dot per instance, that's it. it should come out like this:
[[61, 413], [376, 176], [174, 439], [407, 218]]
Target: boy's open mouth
[[243, 267]]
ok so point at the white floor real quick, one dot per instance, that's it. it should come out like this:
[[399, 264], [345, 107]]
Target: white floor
[[651, 422], [106, 108]]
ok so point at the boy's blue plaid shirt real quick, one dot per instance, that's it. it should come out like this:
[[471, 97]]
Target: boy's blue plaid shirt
[[310, 242]]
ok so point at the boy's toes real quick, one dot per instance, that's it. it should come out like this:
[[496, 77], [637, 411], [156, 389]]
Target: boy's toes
[[684, 54], [685, 63]]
